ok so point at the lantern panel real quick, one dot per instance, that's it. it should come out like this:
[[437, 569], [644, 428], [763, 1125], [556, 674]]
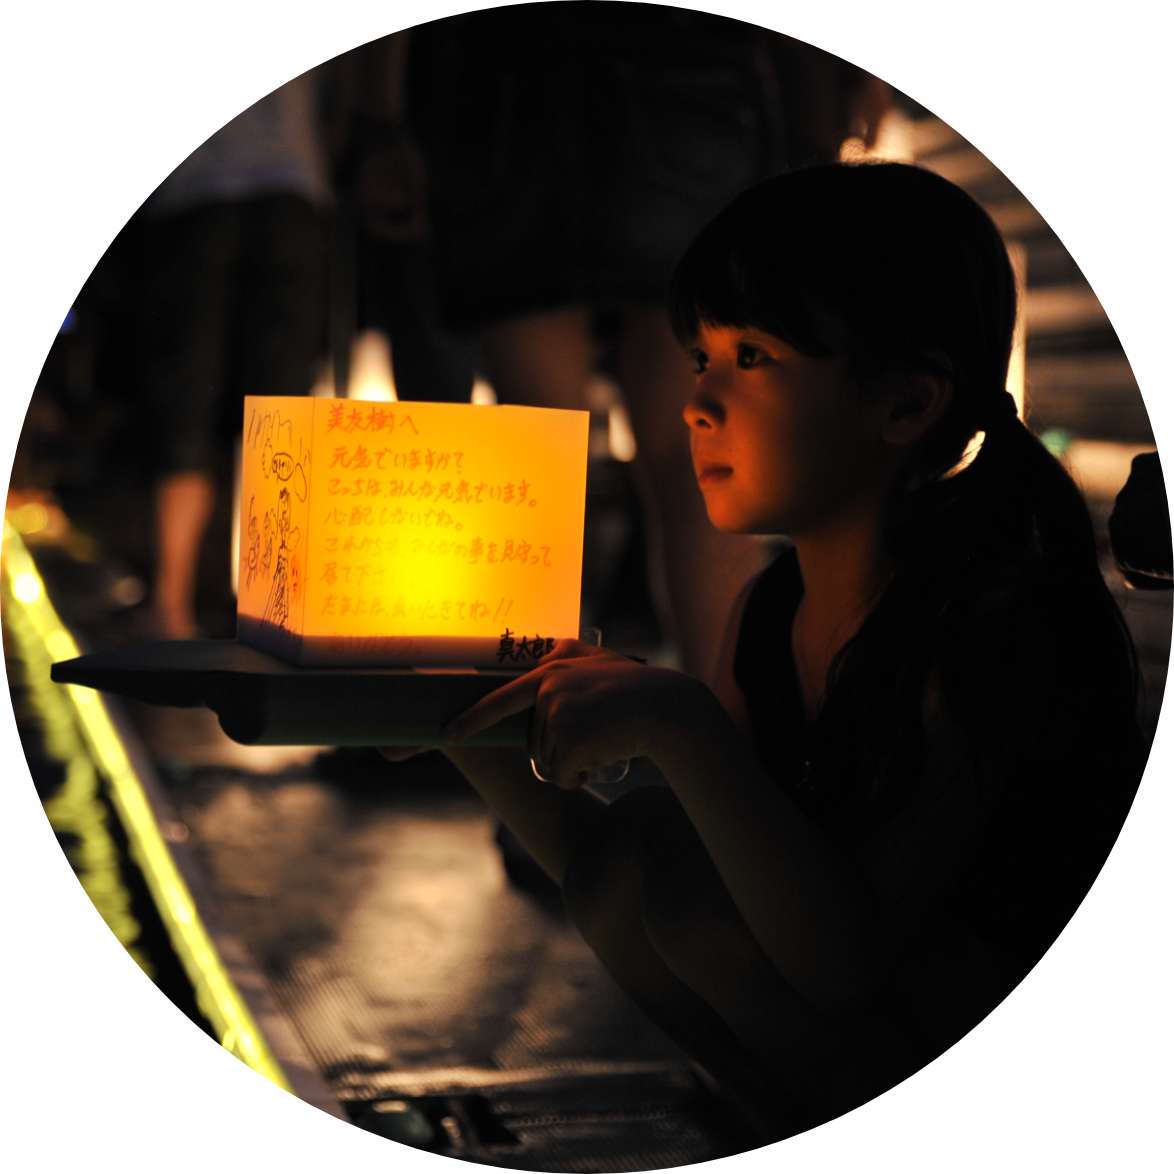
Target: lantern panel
[[410, 533]]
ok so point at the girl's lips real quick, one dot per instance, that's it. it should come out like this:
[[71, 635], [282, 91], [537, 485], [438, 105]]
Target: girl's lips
[[709, 473]]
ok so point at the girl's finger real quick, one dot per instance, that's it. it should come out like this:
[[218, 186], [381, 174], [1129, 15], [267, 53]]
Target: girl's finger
[[568, 649], [574, 770], [548, 747], [514, 697], [535, 733]]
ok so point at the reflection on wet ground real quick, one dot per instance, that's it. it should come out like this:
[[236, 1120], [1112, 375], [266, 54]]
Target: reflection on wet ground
[[376, 901], [379, 905], [444, 1000], [77, 804]]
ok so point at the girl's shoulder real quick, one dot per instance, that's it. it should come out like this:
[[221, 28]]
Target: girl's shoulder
[[1019, 660]]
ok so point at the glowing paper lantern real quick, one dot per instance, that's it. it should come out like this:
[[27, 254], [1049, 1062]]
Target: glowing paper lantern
[[409, 533]]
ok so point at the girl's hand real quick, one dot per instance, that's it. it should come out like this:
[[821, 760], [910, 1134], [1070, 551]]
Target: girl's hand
[[593, 707]]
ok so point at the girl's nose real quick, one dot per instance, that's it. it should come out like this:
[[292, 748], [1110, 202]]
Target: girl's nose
[[703, 410]]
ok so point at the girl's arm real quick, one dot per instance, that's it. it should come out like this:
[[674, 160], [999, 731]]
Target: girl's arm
[[761, 843], [551, 823], [811, 909], [1029, 762], [833, 925]]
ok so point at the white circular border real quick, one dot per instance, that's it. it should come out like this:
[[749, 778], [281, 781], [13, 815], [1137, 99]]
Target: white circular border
[[100, 101]]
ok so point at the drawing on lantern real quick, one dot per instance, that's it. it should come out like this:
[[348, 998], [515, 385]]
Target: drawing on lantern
[[285, 578], [270, 529], [252, 556]]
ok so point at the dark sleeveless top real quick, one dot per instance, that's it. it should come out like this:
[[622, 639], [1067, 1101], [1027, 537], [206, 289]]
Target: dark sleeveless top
[[1033, 676], [848, 797]]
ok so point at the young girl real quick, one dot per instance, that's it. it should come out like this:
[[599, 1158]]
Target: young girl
[[919, 741]]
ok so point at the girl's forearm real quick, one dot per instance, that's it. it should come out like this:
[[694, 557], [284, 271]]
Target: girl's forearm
[[809, 908], [551, 823]]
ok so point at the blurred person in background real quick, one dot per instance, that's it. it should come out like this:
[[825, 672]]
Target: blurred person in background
[[382, 258], [572, 150], [232, 304], [1139, 527]]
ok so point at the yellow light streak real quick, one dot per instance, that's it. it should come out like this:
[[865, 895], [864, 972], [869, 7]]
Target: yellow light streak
[[216, 994], [75, 809]]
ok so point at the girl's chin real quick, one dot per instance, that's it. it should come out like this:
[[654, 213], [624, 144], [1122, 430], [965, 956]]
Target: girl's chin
[[734, 521], [729, 517]]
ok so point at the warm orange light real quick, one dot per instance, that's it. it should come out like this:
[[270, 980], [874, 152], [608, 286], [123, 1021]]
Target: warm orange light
[[409, 533]]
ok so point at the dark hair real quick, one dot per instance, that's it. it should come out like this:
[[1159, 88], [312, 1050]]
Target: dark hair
[[897, 269]]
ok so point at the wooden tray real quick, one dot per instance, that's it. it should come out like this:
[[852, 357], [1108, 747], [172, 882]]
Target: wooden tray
[[263, 701]]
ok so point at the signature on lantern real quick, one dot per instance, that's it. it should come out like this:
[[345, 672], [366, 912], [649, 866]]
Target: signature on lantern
[[514, 648]]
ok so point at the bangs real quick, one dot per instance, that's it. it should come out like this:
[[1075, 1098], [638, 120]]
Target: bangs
[[732, 275], [881, 263]]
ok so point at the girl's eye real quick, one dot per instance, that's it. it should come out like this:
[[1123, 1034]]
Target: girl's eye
[[748, 356], [700, 360]]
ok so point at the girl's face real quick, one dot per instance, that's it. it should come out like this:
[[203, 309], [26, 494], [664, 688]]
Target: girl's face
[[782, 442]]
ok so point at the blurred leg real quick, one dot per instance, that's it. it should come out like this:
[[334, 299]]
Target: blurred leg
[[398, 293], [649, 901], [606, 892], [703, 568], [183, 505], [271, 300], [278, 324], [822, 1062], [187, 297]]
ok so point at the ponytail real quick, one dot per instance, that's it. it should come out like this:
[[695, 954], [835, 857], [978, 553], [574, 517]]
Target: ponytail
[[1014, 500], [1013, 517]]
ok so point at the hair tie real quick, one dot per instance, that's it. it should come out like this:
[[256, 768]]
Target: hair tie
[[1003, 410]]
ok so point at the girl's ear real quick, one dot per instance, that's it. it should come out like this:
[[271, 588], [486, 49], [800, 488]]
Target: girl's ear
[[913, 405]]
